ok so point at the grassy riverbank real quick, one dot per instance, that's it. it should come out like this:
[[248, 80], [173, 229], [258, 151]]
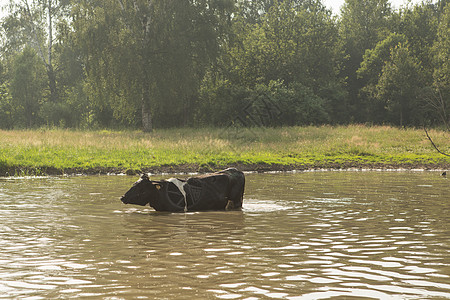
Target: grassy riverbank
[[185, 150]]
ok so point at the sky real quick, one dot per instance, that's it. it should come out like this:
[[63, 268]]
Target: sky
[[2, 3]]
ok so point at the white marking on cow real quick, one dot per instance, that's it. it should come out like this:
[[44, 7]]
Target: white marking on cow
[[180, 185]]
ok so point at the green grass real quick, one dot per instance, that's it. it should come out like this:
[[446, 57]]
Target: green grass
[[187, 149]]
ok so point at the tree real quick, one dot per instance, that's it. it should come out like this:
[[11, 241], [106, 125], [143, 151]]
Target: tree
[[363, 24], [294, 42], [441, 76], [253, 11], [6, 107], [370, 71], [32, 22], [374, 59], [441, 51], [419, 25], [399, 85], [147, 55], [27, 85]]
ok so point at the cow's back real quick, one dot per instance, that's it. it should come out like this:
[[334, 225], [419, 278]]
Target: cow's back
[[208, 192]]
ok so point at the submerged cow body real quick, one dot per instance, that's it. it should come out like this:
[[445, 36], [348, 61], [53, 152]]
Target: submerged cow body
[[222, 190]]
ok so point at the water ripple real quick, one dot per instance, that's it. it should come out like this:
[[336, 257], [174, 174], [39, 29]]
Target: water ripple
[[299, 236]]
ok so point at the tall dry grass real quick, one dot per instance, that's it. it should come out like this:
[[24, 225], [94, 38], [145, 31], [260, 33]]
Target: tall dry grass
[[308, 146]]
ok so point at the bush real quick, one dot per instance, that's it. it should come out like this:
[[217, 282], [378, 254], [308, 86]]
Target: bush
[[220, 104], [6, 108], [300, 106], [57, 114], [265, 105]]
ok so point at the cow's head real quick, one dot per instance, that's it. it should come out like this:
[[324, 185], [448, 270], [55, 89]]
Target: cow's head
[[141, 192]]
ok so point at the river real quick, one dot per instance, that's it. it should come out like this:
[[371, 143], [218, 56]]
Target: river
[[306, 235]]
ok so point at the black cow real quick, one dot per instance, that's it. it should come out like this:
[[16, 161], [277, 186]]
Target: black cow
[[222, 190]]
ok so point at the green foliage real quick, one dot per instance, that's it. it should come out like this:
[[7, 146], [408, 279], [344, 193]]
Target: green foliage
[[374, 59], [27, 87], [57, 114], [419, 25], [169, 63], [442, 54], [6, 108], [287, 58], [272, 104], [292, 43], [220, 102], [440, 95], [363, 24], [149, 55], [297, 104], [370, 72], [399, 85]]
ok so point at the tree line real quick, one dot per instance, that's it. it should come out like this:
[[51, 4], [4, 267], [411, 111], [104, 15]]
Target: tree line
[[172, 63]]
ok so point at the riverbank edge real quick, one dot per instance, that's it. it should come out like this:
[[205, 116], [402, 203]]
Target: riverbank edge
[[15, 171]]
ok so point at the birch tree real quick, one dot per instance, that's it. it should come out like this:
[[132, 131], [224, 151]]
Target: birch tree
[[32, 23], [147, 55]]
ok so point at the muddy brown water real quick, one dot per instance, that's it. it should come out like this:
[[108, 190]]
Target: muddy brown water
[[310, 235]]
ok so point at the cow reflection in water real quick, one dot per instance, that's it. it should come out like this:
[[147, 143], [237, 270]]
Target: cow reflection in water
[[222, 190]]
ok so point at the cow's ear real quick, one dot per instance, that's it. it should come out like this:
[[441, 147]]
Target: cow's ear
[[144, 177]]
